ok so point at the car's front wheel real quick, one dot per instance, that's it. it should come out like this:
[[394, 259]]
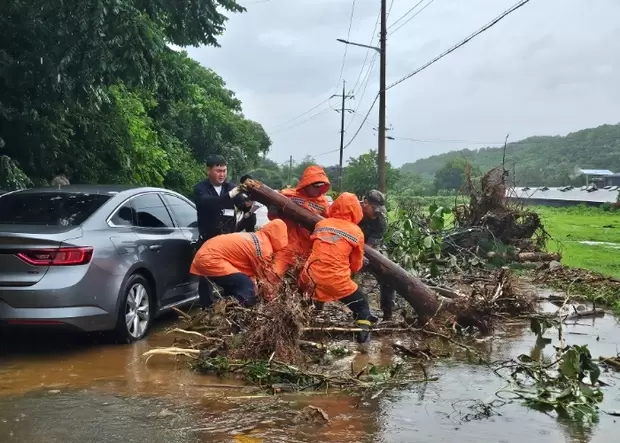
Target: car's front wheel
[[134, 316]]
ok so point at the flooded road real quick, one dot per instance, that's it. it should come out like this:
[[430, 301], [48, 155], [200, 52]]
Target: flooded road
[[66, 388]]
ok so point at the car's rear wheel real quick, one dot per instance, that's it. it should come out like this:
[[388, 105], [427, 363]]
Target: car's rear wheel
[[134, 314]]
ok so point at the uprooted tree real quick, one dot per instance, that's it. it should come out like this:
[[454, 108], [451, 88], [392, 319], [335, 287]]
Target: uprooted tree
[[426, 303], [488, 219]]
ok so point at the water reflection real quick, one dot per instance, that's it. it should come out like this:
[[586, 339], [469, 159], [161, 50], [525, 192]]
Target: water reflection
[[87, 384]]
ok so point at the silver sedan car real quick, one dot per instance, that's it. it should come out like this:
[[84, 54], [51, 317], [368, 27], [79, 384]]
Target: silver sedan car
[[95, 257]]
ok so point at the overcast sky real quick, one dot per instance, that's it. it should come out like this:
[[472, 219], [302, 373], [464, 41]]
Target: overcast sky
[[549, 68]]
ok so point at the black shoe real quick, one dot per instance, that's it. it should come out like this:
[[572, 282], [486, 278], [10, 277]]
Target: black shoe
[[373, 319], [319, 305], [363, 336]]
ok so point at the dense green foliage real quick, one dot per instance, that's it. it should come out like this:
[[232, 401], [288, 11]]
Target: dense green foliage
[[359, 176], [91, 89], [537, 161], [453, 176]]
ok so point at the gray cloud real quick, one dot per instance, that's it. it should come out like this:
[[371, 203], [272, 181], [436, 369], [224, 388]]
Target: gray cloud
[[549, 68]]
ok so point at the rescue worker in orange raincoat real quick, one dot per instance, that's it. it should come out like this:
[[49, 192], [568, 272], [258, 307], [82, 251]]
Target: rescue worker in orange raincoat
[[337, 253], [234, 261], [309, 193]]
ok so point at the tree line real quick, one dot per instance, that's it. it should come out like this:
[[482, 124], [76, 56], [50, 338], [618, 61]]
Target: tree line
[[360, 175], [537, 161], [91, 89]]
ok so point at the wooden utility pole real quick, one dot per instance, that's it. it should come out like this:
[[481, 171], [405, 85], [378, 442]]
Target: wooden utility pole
[[382, 84], [344, 96], [290, 170]]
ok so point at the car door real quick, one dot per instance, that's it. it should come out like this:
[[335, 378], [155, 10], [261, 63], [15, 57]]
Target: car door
[[186, 220], [162, 242]]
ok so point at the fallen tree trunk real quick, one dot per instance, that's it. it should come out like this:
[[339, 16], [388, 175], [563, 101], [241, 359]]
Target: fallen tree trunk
[[422, 299], [527, 257]]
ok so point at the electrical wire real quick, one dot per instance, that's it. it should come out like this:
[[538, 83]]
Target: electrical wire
[[439, 57], [406, 13], [413, 16], [301, 115], [367, 82], [346, 47], [312, 117], [462, 43], [363, 122], [469, 142], [372, 39], [359, 76]]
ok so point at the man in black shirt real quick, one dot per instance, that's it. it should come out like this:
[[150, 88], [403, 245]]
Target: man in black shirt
[[215, 200], [247, 211], [374, 225]]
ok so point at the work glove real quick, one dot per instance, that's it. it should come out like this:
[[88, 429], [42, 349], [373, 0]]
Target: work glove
[[234, 191], [364, 335]]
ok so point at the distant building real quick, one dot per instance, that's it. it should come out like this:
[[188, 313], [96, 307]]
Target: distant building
[[60, 180], [564, 196], [612, 180], [596, 176]]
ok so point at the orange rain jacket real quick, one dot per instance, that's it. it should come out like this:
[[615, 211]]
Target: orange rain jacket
[[337, 252], [241, 252], [299, 243]]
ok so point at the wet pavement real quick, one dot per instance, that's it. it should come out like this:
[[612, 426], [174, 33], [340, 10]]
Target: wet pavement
[[73, 388]]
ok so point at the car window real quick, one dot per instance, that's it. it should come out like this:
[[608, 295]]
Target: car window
[[151, 212], [49, 208], [183, 212], [124, 216]]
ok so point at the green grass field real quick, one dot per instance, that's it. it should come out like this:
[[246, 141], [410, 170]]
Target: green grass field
[[588, 238]]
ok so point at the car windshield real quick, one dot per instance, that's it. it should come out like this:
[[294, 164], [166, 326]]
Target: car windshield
[[49, 208]]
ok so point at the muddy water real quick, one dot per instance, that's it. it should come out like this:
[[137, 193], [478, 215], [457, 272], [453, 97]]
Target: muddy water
[[63, 388]]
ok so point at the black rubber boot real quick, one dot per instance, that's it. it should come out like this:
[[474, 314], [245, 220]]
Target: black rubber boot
[[362, 336], [319, 305]]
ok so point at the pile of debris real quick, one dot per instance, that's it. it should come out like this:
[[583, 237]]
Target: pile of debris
[[286, 344], [490, 223], [579, 283]]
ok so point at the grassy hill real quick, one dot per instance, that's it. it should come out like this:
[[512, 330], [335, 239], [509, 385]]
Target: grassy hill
[[540, 160]]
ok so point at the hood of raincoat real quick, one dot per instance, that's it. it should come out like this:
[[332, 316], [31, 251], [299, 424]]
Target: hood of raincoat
[[314, 174], [347, 207], [276, 233]]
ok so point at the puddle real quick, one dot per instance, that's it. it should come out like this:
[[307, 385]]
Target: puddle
[[69, 388], [603, 244]]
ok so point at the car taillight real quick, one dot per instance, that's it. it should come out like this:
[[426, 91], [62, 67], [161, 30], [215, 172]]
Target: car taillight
[[57, 257]]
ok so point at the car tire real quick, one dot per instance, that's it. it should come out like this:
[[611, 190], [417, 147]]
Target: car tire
[[135, 311]]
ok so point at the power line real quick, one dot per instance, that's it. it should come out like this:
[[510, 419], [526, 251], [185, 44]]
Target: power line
[[359, 76], [374, 34], [406, 13], [413, 16], [462, 43], [302, 114], [367, 82], [426, 65], [363, 121], [470, 142], [312, 117], [346, 47]]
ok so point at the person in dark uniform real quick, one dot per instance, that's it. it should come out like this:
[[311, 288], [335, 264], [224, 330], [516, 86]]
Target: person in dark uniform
[[215, 200], [247, 211], [374, 225]]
